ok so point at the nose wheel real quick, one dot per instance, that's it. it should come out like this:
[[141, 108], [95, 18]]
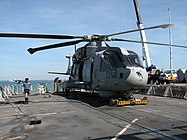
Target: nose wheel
[[128, 96]]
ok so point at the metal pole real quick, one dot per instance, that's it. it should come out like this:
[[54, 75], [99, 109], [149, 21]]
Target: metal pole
[[145, 50], [170, 42]]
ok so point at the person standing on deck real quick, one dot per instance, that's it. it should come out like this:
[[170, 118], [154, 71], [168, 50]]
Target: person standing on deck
[[26, 89]]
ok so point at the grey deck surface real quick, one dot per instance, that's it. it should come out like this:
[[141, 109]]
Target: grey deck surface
[[81, 118]]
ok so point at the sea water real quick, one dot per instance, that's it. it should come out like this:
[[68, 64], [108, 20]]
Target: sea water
[[34, 83]]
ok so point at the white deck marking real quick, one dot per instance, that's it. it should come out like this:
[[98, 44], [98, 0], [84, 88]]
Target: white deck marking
[[41, 114], [52, 113], [124, 129]]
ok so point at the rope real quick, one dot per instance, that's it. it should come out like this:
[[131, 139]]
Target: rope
[[17, 109]]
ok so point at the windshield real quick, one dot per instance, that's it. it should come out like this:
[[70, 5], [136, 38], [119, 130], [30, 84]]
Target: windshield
[[116, 60], [134, 59]]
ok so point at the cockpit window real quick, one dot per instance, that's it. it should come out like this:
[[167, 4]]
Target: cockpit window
[[126, 60], [134, 59], [118, 60], [114, 59]]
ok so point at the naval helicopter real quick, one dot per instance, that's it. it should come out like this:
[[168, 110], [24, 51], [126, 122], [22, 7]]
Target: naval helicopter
[[96, 66]]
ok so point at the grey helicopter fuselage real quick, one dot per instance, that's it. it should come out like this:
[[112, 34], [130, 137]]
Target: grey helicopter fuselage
[[97, 66], [109, 70]]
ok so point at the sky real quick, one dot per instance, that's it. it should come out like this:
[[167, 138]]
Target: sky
[[84, 17]]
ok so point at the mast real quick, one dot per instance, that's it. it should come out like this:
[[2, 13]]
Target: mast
[[170, 42], [145, 50]]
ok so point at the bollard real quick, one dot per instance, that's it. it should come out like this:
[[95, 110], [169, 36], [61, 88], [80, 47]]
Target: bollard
[[185, 96], [1, 95]]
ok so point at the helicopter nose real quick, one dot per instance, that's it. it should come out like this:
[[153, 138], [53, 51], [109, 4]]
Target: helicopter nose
[[138, 77]]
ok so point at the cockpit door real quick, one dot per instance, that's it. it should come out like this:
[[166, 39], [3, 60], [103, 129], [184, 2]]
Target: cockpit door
[[87, 70]]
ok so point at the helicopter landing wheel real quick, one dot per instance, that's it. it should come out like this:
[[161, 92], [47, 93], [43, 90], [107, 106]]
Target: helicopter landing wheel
[[128, 96], [67, 91]]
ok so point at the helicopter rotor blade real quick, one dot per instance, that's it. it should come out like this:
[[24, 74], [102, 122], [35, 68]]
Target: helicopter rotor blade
[[154, 43], [61, 73], [33, 50], [163, 26], [41, 36]]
